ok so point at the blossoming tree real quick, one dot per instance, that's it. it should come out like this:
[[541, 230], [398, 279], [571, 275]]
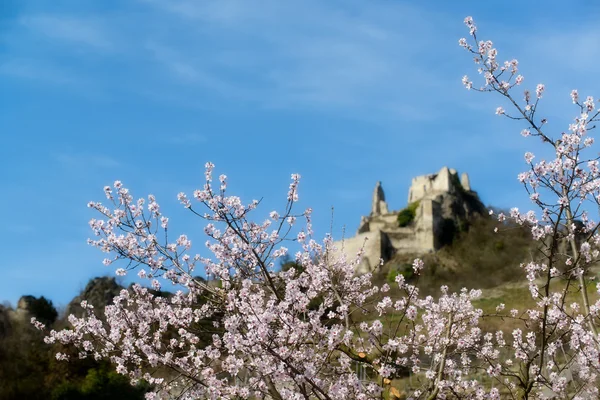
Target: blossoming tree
[[301, 333]]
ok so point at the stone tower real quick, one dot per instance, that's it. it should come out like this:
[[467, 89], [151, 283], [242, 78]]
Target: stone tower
[[464, 181], [378, 205]]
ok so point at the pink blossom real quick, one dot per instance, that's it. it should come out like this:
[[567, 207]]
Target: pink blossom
[[589, 103], [471, 25], [529, 157], [417, 265], [574, 96], [519, 79], [539, 90], [467, 83]]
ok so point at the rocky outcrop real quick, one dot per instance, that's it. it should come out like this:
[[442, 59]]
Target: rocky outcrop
[[99, 292], [27, 307], [24, 308], [439, 206]]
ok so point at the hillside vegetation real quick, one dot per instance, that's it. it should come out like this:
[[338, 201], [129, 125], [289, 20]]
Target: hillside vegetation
[[477, 257]]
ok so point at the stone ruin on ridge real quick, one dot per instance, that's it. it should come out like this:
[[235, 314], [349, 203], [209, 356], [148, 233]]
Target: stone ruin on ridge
[[442, 205]]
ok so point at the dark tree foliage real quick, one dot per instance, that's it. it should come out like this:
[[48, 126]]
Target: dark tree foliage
[[100, 382], [29, 369], [42, 309]]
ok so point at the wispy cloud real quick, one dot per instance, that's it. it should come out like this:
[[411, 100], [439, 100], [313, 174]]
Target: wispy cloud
[[37, 70], [387, 59], [311, 56], [54, 49], [230, 12], [83, 31], [189, 71], [579, 51]]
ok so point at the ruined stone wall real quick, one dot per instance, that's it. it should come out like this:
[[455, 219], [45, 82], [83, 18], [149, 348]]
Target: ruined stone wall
[[383, 222], [404, 240], [376, 246], [444, 200], [443, 181], [424, 225], [428, 185], [420, 186]]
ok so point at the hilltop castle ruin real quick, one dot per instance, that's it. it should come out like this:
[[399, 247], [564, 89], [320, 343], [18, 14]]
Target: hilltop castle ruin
[[439, 206]]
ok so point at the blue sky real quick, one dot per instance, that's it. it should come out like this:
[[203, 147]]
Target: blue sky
[[345, 93]]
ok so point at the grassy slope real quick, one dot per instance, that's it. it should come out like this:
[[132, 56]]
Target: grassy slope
[[478, 258]]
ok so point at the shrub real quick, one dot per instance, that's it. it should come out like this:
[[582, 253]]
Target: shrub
[[408, 214]]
